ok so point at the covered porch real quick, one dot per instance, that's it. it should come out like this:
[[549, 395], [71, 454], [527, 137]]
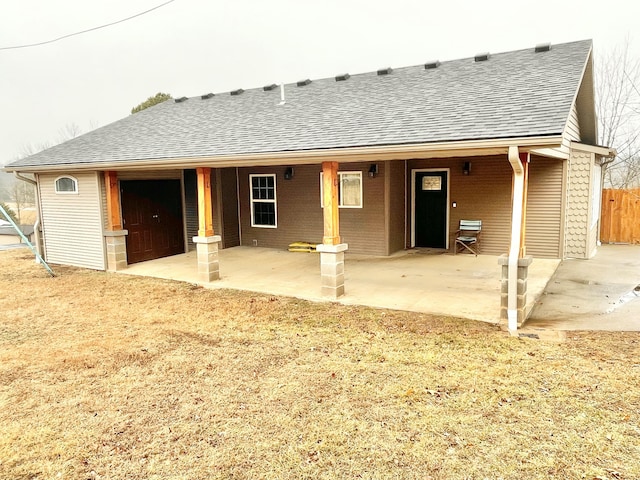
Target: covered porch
[[425, 281]]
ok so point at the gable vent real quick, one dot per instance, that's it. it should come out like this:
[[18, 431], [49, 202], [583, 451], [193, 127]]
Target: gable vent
[[268, 88], [181, 99], [236, 92], [342, 77], [431, 65], [385, 71], [482, 57], [207, 96], [543, 47], [302, 83]]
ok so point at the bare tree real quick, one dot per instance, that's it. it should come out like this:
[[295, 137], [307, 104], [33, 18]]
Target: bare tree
[[618, 108], [69, 131], [22, 194]]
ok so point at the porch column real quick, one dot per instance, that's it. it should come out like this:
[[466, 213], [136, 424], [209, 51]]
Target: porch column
[[115, 234], [331, 250], [515, 265], [206, 242]]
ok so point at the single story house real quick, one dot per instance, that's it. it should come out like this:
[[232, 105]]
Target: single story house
[[375, 162], [9, 236]]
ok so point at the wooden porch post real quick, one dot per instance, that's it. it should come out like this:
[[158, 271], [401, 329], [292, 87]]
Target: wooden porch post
[[205, 209], [331, 250], [330, 212], [115, 235], [206, 242], [114, 219]]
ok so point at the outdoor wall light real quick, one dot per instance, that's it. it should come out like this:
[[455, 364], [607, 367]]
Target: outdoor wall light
[[466, 168], [373, 170], [288, 173]]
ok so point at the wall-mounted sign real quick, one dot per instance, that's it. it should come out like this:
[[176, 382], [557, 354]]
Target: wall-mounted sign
[[431, 183]]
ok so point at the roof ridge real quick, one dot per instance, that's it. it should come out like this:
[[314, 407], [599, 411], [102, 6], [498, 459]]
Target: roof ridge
[[442, 63]]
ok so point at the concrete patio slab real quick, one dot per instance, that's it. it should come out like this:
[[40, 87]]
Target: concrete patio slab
[[602, 293], [419, 281]]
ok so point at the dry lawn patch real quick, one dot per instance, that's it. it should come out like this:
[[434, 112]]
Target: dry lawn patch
[[111, 376]]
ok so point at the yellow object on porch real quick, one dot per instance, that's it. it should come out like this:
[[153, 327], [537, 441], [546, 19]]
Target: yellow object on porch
[[302, 247]]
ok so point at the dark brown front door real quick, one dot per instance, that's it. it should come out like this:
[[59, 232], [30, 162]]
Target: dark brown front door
[[152, 213]]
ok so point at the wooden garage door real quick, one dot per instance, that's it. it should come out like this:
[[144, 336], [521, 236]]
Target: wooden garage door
[[152, 213]]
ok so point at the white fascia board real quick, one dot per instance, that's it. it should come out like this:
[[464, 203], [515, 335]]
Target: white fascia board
[[301, 157]]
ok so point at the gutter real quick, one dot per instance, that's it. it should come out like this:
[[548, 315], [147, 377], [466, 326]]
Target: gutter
[[301, 157], [36, 225], [516, 230]]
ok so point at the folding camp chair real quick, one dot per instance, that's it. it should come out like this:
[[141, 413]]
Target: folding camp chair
[[468, 236]]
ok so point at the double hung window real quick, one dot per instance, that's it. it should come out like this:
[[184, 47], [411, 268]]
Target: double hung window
[[264, 211]]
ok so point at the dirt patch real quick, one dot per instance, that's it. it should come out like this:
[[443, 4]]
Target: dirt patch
[[112, 376]]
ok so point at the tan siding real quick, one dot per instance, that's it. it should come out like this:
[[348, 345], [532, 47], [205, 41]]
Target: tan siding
[[363, 228], [544, 208], [397, 205], [300, 214], [572, 131], [73, 224], [484, 195], [577, 226]]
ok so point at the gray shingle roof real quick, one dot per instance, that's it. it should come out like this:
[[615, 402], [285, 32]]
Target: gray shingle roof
[[513, 94], [26, 229]]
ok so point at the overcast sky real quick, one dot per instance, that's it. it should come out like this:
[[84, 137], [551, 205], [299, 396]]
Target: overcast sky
[[191, 47]]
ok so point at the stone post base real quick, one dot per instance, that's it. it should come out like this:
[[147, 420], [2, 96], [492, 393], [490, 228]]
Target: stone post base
[[332, 269], [208, 263], [523, 274], [116, 250]]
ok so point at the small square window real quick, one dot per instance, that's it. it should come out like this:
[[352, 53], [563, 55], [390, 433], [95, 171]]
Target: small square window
[[431, 183], [349, 189]]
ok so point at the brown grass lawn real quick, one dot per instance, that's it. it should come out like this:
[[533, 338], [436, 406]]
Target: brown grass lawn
[[111, 376]]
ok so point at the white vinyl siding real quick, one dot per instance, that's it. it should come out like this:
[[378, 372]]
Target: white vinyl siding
[[72, 224]]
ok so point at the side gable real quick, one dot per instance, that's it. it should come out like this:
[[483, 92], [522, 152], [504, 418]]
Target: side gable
[[581, 125]]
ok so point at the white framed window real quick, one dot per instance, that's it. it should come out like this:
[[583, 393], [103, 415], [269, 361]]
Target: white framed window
[[66, 185], [264, 209], [349, 189]]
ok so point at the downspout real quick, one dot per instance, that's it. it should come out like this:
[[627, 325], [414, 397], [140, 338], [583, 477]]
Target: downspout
[[516, 229], [36, 225]]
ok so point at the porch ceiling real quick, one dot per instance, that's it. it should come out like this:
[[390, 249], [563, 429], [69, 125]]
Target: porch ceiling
[[462, 285]]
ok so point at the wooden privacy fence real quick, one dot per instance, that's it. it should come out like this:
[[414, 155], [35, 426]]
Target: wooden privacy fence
[[620, 217]]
